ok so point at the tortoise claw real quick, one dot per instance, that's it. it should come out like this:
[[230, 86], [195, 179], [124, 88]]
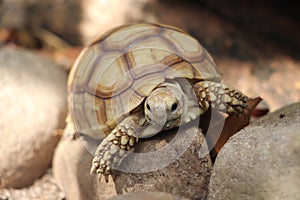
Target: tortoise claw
[[106, 153], [112, 150]]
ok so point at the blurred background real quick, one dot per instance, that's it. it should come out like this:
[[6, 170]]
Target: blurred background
[[255, 43]]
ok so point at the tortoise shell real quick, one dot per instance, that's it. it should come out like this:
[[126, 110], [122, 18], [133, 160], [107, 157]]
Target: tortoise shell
[[114, 74]]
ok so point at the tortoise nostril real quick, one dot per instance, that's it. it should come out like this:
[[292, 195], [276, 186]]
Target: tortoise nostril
[[174, 107]]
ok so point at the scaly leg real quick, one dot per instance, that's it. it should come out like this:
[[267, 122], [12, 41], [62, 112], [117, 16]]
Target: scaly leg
[[116, 145], [223, 97]]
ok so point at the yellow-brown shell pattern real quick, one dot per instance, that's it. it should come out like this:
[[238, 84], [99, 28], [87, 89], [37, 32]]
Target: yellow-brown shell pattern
[[114, 74]]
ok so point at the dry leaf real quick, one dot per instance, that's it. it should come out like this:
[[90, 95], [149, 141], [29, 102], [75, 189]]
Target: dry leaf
[[223, 127]]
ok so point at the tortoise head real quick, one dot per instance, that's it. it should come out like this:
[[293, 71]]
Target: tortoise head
[[165, 106]]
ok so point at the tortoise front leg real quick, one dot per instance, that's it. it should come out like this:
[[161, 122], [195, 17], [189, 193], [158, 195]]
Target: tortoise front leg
[[116, 145], [223, 97]]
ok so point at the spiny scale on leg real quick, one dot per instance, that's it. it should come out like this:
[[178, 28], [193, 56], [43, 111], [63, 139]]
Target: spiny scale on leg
[[223, 97], [113, 149]]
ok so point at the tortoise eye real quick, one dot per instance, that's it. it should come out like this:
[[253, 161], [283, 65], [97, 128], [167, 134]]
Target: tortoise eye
[[174, 107], [148, 107]]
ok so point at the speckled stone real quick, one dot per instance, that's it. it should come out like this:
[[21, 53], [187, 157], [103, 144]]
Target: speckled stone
[[147, 196], [186, 173]]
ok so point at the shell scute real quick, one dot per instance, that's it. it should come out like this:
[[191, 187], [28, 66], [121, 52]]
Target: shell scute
[[180, 69], [85, 115], [128, 38], [144, 86], [185, 45], [130, 100], [113, 108], [142, 59]]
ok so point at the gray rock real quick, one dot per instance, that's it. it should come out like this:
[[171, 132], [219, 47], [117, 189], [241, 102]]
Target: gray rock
[[32, 108], [180, 165], [261, 161], [147, 196], [71, 167]]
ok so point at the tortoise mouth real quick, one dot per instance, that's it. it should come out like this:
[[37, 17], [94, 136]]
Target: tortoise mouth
[[171, 123]]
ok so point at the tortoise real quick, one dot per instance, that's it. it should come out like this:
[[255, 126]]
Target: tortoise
[[138, 79]]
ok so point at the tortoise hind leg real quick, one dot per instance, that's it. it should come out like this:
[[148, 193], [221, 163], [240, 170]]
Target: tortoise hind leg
[[116, 145], [223, 97]]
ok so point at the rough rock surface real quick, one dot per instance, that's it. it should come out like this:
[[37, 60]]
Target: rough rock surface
[[147, 196], [261, 161], [181, 166], [33, 107], [71, 166]]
